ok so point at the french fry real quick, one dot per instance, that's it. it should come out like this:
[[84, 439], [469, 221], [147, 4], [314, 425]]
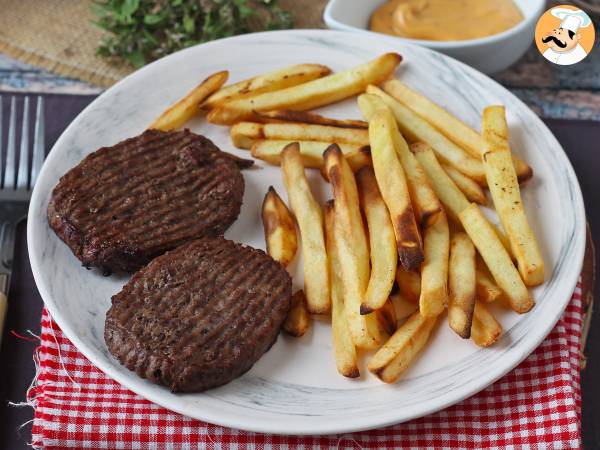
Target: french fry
[[343, 345], [356, 160], [382, 242], [403, 307], [280, 230], [409, 284], [387, 317], [400, 350], [415, 128], [245, 134], [268, 82], [311, 153], [424, 201], [186, 108], [369, 104], [462, 282], [453, 128], [469, 187], [497, 259], [394, 189], [485, 330], [504, 240], [450, 195], [434, 273], [504, 187], [315, 93], [289, 115], [486, 288], [353, 251], [297, 321], [310, 221], [453, 199]]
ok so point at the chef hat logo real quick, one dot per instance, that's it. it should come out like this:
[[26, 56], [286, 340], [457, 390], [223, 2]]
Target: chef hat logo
[[571, 20], [565, 35]]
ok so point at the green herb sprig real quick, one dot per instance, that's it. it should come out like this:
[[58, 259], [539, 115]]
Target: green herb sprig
[[145, 30]]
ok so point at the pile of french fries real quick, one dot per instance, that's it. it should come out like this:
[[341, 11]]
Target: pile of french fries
[[404, 239]]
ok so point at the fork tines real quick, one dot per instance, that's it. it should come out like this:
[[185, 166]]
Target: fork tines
[[23, 176]]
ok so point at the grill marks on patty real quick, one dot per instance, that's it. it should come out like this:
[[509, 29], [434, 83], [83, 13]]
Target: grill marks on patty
[[123, 205], [200, 315], [203, 310]]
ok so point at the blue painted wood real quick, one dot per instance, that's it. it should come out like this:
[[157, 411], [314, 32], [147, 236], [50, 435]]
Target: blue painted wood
[[18, 76]]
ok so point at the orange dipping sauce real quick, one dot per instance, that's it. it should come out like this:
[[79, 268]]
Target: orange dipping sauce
[[445, 20]]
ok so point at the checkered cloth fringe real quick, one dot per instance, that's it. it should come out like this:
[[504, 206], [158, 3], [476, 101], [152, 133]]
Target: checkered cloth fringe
[[536, 406]]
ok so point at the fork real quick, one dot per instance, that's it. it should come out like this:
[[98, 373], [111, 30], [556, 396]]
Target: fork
[[17, 178]]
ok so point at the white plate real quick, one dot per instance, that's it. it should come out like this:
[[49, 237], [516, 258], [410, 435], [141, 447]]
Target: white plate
[[294, 388]]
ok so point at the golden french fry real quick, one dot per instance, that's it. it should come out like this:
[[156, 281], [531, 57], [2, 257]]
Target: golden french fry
[[268, 82], [280, 230], [245, 134], [288, 115], [504, 187], [387, 317], [310, 221], [382, 242], [343, 345], [462, 282], [186, 108], [434, 273], [497, 259], [401, 349], [423, 199], [297, 321], [353, 251], [369, 104], [409, 284], [469, 187], [449, 125], [394, 189], [415, 128], [450, 195], [315, 93], [403, 307], [356, 160], [453, 199], [311, 153], [485, 330], [486, 288], [503, 239]]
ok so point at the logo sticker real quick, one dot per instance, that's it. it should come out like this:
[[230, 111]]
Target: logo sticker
[[564, 35]]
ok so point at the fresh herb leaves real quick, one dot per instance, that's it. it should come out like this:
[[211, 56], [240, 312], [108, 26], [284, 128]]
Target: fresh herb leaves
[[144, 30]]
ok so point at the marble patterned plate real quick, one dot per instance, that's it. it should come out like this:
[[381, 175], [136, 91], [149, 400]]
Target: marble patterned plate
[[294, 388]]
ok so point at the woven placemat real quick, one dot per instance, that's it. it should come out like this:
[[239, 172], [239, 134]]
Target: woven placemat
[[59, 36]]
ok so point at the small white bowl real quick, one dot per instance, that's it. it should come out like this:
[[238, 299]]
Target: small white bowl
[[489, 54]]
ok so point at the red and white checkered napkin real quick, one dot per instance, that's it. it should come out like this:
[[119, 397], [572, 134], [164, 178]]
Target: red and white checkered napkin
[[535, 406]]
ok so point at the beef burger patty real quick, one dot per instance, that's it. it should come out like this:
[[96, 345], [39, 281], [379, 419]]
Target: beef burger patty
[[200, 315], [126, 204]]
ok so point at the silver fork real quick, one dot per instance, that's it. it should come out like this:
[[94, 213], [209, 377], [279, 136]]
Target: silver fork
[[16, 184]]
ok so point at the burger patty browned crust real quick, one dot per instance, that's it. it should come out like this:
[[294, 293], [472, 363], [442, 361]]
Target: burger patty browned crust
[[126, 204], [200, 315]]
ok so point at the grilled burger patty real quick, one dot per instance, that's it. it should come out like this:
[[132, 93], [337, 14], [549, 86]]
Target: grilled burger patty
[[200, 315], [126, 204]]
